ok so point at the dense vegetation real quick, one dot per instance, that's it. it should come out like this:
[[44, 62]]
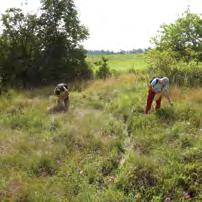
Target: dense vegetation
[[42, 48], [104, 148], [178, 51], [183, 38]]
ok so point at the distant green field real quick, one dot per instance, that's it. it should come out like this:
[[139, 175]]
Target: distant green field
[[122, 62]]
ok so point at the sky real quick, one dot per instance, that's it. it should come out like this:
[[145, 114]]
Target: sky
[[120, 24]]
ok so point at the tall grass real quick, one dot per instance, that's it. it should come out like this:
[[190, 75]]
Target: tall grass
[[105, 148]]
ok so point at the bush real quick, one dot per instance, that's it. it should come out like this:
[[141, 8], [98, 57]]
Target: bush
[[179, 73], [183, 74], [81, 72], [103, 71]]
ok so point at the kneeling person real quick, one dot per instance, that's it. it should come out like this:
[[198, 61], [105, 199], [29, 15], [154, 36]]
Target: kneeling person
[[62, 93]]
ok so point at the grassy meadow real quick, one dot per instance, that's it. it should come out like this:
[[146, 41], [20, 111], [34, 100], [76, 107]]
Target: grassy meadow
[[121, 62], [104, 149]]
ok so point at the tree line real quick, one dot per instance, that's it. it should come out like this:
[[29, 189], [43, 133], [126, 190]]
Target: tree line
[[109, 52]]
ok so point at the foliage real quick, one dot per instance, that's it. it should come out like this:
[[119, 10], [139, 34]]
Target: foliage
[[179, 72], [183, 38], [20, 47], [178, 51], [61, 35], [44, 48], [103, 69]]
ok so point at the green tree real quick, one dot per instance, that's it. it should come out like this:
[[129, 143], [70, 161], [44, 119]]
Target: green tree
[[19, 47], [61, 36], [44, 48], [183, 38]]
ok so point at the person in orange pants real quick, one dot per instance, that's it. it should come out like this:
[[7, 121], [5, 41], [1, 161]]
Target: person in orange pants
[[157, 89]]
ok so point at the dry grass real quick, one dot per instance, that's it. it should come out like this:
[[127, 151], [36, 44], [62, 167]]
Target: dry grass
[[104, 144], [190, 95], [123, 79]]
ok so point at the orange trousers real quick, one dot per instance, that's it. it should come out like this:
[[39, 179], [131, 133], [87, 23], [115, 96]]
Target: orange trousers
[[150, 98]]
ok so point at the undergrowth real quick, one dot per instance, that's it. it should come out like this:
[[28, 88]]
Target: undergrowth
[[105, 148]]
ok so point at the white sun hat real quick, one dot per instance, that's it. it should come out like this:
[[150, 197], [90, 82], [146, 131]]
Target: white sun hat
[[164, 80]]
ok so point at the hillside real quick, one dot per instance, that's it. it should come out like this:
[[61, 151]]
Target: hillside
[[105, 148]]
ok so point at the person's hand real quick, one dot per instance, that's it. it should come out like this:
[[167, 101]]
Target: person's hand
[[64, 88]]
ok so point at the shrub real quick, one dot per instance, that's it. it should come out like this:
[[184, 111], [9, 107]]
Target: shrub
[[83, 72], [179, 73], [103, 71], [185, 75]]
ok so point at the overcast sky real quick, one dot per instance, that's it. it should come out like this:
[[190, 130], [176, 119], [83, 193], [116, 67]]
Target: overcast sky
[[121, 24]]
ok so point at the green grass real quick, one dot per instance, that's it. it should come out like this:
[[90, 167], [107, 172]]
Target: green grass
[[122, 62], [104, 149]]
